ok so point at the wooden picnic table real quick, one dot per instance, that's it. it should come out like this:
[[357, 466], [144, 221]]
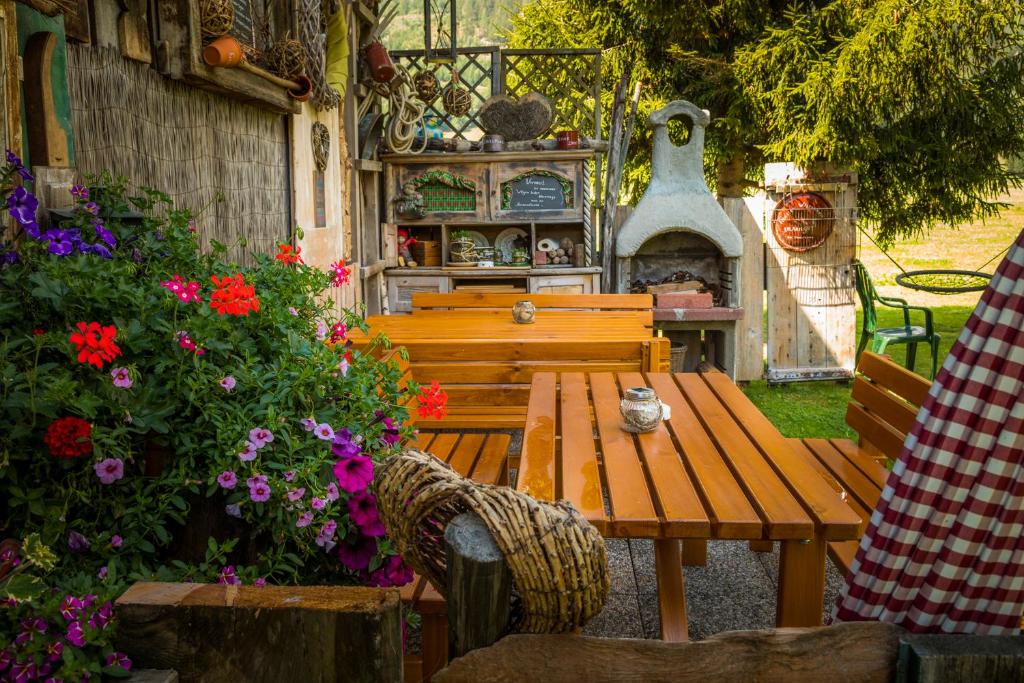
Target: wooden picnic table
[[718, 469]]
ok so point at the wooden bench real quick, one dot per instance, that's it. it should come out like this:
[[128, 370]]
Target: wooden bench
[[883, 406], [641, 305], [484, 459]]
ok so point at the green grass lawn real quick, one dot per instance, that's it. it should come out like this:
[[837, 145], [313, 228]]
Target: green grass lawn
[[817, 409]]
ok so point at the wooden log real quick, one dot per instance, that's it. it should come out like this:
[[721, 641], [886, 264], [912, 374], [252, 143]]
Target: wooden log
[[225, 633], [929, 658], [852, 653], [479, 585]]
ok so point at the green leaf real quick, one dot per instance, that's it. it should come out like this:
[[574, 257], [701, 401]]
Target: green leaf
[[22, 587]]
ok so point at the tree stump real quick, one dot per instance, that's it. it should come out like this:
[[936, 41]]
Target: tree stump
[[479, 585]]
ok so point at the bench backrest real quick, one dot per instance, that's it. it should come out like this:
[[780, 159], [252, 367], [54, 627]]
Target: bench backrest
[[505, 301], [884, 404]]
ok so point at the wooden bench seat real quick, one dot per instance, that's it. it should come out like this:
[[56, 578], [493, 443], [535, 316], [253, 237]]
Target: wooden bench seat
[[883, 406], [484, 459]]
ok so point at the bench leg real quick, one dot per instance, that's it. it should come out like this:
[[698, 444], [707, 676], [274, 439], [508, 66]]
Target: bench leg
[[671, 590], [762, 546], [695, 552], [801, 583], [435, 644]]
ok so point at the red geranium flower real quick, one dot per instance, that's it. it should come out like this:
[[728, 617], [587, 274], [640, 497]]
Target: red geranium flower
[[433, 401], [68, 437], [287, 257], [233, 296], [95, 343]]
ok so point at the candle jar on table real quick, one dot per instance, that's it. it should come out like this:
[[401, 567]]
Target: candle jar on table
[[641, 410], [523, 312]]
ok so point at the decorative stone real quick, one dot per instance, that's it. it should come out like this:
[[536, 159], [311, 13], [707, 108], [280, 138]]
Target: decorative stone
[[526, 119]]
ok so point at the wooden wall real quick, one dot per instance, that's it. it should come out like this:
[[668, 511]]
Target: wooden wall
[[187, 142]]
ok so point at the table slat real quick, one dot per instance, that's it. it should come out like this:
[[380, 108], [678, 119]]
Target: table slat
[[581, 476], [537, 464], [464, 457], [732, 514], [783, 514], [633, 512]]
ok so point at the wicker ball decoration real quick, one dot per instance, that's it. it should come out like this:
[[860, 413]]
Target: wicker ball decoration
[[456, 99], [216, 17], [426, 85], [287, 58], [557, 559]]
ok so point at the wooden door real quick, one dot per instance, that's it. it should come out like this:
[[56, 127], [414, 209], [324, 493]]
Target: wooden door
[[811, 311]]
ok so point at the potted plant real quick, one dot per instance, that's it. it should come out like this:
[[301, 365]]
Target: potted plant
[[520, 257]]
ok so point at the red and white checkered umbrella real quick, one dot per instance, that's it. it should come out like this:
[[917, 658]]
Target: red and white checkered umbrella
[[944, 550]]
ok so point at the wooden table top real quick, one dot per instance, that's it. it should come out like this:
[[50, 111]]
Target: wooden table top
[[718, 469], [499, 326]]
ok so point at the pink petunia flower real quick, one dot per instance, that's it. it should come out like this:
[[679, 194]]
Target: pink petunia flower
[[260, 437], [228, 576], [362, 510], [324, 432], [227, 479], [248, 453], [228, 383], [354, 474], [296, 494], [325, 538], [109, 470], [260, 493], [304, 520], [356, 556], [321, 330], [289, 475], [291, 309], [260, 582], [102, 573], [318, 503], [122, 380], [256, 479], [116, 541], [332, 492], [308, 423]]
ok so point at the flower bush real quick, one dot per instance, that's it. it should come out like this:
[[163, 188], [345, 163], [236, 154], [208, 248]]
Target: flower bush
[[170, 415]]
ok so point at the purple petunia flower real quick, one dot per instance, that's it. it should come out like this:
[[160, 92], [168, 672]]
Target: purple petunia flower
[[227, 479], [356, 556], [102, 617], [228, 383], [104, 234], [260, 493], [97, 249], [22, 205], [80, 192], [260, 437], [296, 494], [289, 475], [116, 541], [118, 659], [77, 543], [92, 207], [61, 242], [332, 492], [354, 474], [308, 423], [102, 573], [323, 431], [74, 634], [70, 607], [321, 330], [19, 166], [109, 470], [362, 510], [248, 453], [260, 582], [122, 380], [345, 445], [7, 258], [391, 435], [304, 520], [394, 572], [325, 538], [318, 503], [228, 576]]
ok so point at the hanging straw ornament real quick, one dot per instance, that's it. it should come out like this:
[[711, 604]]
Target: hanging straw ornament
[[456, 99], [426, 86], [216, 17], [287, 58]]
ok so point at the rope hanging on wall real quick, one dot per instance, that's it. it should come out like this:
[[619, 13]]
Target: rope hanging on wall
[[557, 559], [405, 113]]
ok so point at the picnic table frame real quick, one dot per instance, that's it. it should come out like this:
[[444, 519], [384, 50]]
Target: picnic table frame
[[718, 469]]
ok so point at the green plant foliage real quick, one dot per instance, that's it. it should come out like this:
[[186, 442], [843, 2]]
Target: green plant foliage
[[922, 98]]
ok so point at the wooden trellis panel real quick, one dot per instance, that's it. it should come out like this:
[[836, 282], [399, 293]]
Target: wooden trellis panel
[[571, 79]]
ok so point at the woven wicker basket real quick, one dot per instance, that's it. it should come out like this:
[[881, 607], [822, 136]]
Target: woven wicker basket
[[557, 559]]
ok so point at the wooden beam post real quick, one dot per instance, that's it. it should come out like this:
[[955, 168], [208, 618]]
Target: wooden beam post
[[219, 633], [479, 585]]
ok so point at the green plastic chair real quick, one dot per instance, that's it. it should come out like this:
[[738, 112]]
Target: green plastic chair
[[908, 334]]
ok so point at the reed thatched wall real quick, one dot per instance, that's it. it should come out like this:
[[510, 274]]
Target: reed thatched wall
[[186, 142]]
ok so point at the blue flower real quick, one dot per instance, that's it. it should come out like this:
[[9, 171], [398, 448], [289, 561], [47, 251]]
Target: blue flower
[[22, 206], [103, 233], [7, 258], [98, 249], [15, 161], [62, 242]]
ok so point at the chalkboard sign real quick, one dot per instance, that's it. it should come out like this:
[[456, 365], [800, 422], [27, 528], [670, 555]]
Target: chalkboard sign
[[537, 191], [243, 28]]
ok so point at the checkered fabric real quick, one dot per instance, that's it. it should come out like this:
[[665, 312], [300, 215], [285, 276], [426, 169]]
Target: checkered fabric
[[944, 550]]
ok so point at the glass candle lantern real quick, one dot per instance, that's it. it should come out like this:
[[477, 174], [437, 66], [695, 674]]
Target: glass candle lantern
[[641, 410], [523, 312]]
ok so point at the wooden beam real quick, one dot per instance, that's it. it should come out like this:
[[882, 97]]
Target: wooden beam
[[227, 633], [47, 139], [856, 652]]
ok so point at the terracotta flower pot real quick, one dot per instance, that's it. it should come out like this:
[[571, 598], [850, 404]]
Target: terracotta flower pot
[[381, 67], [225, 51]]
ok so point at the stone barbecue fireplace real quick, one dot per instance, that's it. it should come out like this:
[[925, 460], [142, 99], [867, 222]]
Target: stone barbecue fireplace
[[679, 232]]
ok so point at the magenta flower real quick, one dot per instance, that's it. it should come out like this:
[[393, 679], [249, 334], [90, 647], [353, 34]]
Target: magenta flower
[[356, 556], [256, 479], [77, 543], [390, 436], [321, 330], [122, 380], [289, 475], [75, 635], [392, 573], [227, 479], [296, 494], [80, 192], [325, 539], [22, 671], [228, 383], [118, 659], [345, 445], [332, 492], [308, 423], [260, 493], [260, 437], [260, 582], [102, 573], [186, 292], [54, 649], [304, 520], [116, 541], [92, 207], [70, 607], [228, 576], [291, 309], [248, 453], [323, 431], [101, 618], [362, 510], [354, 474], [109, 470], [318, 503]]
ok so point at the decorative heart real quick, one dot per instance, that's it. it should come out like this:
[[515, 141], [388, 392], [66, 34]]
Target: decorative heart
[[526, 119]]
